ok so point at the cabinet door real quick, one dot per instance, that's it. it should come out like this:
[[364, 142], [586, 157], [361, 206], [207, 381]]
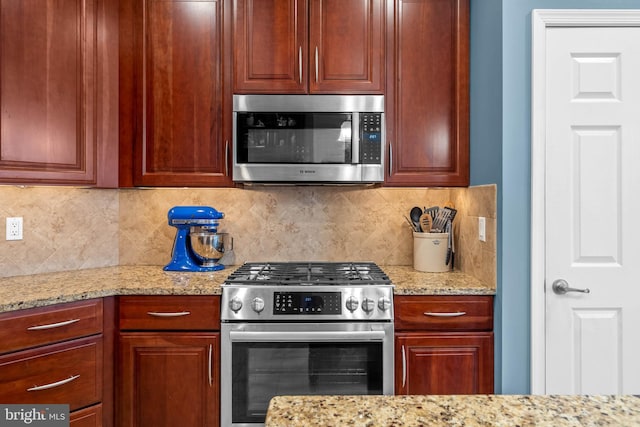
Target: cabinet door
[[169, 379], [58, 96], [270, 46], [174, 114], [444, 363], [427, 98], [346, 46]]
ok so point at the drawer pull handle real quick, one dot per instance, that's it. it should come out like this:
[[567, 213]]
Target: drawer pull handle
[[210, 373], [52, 385], [169, 314], [454, 314], [52, 325], [404, 368]]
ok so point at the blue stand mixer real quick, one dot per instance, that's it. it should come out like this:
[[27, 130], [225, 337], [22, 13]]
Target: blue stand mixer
[[198, 246]]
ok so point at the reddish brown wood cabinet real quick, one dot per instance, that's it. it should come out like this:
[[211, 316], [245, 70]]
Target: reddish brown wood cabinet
[[169, 361], [427, 93], [58, 92], [444, 344], [60, 354], [175, 118], [309, 46]]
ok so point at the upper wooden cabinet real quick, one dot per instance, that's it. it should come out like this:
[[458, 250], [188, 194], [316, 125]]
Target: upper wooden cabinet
[[309, 46], [58, 92], [427, 93], [175, 122]]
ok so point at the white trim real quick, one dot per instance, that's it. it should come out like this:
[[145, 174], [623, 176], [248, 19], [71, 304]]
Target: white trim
[[540, 21]]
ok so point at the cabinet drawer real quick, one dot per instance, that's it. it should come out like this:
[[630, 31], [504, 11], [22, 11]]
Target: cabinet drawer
[[87, 417], [69, 372], [169, 312], [46, 325], [443, 313]]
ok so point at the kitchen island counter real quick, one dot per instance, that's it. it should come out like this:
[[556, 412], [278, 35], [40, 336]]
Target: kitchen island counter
[[475, 410], [37, 290]]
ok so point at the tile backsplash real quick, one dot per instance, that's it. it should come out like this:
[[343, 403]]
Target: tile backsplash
[[63, 229], [71, 228]]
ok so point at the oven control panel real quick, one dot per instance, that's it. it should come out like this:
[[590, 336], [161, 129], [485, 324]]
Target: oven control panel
[[320, 303], [307, 302]]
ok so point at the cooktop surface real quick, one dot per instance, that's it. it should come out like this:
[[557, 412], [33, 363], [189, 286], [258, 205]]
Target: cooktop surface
[[308, 273]]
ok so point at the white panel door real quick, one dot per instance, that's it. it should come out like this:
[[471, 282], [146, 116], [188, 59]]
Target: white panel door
[[592, 210]]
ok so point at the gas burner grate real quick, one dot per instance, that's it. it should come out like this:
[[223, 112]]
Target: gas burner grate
[[308, 273]]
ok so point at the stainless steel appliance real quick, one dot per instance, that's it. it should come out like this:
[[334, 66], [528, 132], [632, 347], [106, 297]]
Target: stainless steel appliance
[[300, 329], [308, 138]]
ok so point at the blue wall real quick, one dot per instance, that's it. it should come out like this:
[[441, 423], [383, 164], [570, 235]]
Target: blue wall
[[501, 145]]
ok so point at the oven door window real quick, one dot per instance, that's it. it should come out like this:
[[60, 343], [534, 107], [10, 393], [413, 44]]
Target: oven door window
[[263, 370], [295, 138]]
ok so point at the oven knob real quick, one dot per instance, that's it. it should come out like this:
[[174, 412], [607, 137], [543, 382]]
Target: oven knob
[[352, 303], [235, 304], [384, 303], [368, 305], [257, 304]]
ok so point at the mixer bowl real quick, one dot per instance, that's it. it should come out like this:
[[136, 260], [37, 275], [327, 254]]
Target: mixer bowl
[[210, 246]]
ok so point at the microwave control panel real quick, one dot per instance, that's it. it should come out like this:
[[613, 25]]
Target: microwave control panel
[[371, 138]]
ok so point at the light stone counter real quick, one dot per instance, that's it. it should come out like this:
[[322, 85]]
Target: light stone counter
[[52, 288], [468, 411], [408, 281], [38, 290]]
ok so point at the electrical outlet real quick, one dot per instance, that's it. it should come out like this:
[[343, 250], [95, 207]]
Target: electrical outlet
[[482, 229], [14, 228]]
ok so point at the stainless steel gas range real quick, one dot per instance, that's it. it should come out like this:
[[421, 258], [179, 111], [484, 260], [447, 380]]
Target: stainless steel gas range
[[300, 329]]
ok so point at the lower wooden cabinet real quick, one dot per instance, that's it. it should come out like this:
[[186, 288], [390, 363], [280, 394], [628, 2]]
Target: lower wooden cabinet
[[444, 344], [444, 363], [169, 379], [168, 361], [60, 354]]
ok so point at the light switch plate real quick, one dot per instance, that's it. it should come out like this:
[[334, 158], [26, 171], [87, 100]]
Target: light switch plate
[[14, 228], [482, 229]]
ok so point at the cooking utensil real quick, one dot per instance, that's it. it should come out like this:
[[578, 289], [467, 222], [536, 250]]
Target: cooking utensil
[[440, 222], [415, 214], [411, 224], [449, 230], [453, 247], [425, 222], [444, 215], [433, 211]]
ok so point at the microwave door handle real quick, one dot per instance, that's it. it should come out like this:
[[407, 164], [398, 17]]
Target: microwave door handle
[[355, 138], [316, 336]]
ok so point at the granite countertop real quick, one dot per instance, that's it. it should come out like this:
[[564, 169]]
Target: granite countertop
[[20, 292], [476, 410]]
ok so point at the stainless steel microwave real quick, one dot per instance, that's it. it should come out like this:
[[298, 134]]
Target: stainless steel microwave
[[308, 138]]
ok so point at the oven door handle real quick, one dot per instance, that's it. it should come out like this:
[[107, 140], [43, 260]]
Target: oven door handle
[[309, 336]]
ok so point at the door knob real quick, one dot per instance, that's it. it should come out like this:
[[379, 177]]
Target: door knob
[[561, 287]]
